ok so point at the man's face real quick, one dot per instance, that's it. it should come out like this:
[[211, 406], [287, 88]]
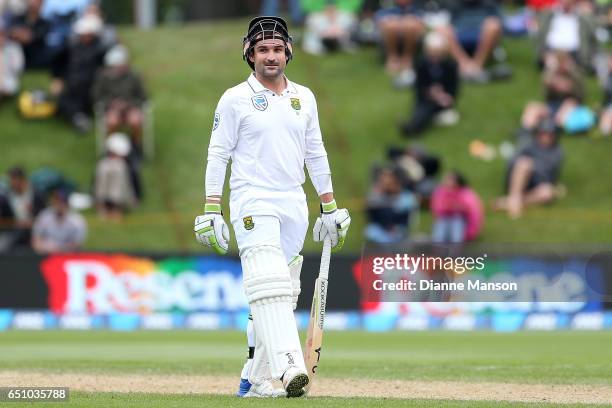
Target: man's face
[[35, 5], [269, 58], [18, 184], [567, 5]]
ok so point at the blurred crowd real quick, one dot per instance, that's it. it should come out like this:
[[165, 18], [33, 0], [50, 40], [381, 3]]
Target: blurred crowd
[[90, 82], [434, 47]]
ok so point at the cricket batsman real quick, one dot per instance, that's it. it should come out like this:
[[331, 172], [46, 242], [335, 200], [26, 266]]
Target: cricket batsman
[[269, 127]]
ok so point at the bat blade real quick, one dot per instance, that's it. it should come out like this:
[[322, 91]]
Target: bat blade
[[314, 337]]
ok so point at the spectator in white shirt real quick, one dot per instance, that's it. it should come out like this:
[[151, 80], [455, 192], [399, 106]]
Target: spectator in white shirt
[[58, 228]]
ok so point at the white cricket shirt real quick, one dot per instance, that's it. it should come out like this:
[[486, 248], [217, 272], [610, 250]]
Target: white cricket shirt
[[269, 137]]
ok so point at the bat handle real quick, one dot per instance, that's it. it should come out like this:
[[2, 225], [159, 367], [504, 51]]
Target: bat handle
[[325, 258]]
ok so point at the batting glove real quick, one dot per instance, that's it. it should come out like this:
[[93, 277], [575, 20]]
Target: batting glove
[[211, 230], [333, 223]]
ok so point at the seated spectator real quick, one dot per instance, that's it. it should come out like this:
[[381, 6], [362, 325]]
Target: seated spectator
[[419, 170], [475, 31], [605, 120], [329, 30], [565, 29], [114, 189], [388, 208], [18, 207], [83, 60], [30, 30], [11, 65], [565, 93], [401, 29], [121, 93], [58, 228], [533, 172], [436, 86], [457, 210]]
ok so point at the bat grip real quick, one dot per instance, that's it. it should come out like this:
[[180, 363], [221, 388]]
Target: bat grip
[[325, 258]]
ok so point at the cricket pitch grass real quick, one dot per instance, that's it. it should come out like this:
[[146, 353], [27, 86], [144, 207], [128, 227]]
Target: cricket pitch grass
[[413, 369]]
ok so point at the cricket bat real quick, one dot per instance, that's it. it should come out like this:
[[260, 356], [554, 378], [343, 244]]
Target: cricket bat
[[314, 338]]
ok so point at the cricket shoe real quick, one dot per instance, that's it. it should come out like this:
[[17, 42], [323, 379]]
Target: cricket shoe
[[294, 381], [264, 389], [244, 387]]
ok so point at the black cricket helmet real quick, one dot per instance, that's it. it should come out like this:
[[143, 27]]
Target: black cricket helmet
[[266, 28]]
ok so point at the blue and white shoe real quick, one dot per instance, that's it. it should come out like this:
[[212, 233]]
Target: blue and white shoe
[[244, 387]]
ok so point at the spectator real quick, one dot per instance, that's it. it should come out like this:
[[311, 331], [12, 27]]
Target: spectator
[[457, 210], [419, 170], [11, 65], [401, 29], [30, 30], [533, 172], [84, 59], [120, 91], [329, 30], [565, 93], [57, 228], [18, 207], [565, 29], [388, 208], [436, 86], [475, 31], [605, 120], [114, 190], [270, 8]]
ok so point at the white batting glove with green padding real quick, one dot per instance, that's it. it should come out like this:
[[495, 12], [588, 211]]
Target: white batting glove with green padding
[[332, 222], [211, 229]]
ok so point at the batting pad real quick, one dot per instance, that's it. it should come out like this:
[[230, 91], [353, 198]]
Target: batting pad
[[268, 288], [295, 269], [276, 328]]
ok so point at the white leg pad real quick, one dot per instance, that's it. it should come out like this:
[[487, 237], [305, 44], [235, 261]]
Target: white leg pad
[[295, 268], [269, 291]]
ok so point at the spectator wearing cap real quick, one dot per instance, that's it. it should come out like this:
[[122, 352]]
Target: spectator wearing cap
[[388, 208], [475, 30], [457, 210], [58, 228], [401, 28], [30, 30], [533, 172], [114, 189], [329, 30], [121, 93], [18, 207], [83, 60], [564, 28], [11, 64], [436, 86]]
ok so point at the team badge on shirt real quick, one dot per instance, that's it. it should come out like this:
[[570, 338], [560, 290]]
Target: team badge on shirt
[[260, 102], [248, 223], [216, 121], [295, 104]]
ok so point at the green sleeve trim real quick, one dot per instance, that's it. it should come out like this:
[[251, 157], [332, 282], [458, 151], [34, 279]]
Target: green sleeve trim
[[212, 208], [329, 207]]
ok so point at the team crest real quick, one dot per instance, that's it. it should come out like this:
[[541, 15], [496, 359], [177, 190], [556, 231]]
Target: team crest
[[248, 223], [295, 104], [216, 121], [260, 102]]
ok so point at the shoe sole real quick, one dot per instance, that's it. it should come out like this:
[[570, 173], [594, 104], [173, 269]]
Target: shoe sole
[[295, 388]]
